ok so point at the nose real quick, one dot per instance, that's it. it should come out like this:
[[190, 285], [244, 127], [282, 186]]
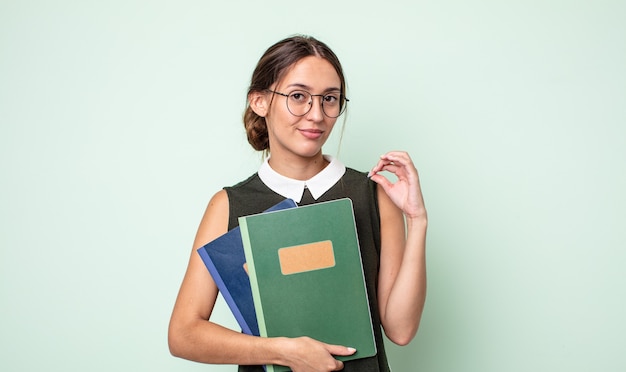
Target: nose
[[316, 113]]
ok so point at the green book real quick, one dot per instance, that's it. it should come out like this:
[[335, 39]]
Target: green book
[[307, 277]]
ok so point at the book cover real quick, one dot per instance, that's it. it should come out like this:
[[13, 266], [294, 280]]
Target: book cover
[[224, 258], [306, 276]]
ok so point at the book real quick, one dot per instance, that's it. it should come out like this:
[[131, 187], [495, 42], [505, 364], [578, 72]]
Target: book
[[224, 258], [306, 276]]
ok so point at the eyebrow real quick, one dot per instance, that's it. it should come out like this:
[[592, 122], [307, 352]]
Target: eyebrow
[[306, 87]]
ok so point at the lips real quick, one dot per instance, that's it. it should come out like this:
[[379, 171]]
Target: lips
[[311, 133]]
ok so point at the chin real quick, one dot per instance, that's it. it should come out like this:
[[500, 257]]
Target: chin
[[310, 154]]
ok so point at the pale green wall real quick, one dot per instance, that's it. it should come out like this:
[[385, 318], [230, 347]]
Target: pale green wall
[[119, 120]]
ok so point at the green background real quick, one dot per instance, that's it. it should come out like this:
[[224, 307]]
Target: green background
[[120, 119]]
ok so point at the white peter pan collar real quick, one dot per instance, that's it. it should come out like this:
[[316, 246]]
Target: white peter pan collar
[[293, 189]]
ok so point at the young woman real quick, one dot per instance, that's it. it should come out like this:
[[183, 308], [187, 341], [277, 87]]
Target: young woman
[[296, 94]]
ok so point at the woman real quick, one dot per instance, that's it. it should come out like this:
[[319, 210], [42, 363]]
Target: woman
[[296, 94]]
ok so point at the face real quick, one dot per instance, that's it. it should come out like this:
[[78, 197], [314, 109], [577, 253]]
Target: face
[[300, 136]]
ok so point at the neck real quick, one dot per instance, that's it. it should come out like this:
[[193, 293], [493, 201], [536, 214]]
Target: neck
[[298, 168]]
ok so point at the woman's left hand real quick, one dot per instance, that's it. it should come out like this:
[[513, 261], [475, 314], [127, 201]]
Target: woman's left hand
[[405, 192], [403, 224]]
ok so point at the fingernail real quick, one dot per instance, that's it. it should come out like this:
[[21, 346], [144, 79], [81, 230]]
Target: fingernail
[[352, 350]]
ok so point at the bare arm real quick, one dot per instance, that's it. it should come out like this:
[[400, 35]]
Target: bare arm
[[192, 336], [402, 276]]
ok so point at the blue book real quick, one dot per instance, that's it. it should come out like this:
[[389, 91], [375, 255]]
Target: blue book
[[224, 257]]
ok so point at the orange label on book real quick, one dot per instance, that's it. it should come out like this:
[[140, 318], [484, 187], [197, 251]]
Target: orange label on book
[[306, 257]]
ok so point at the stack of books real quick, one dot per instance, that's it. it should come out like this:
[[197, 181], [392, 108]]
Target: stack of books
[[304, 275]]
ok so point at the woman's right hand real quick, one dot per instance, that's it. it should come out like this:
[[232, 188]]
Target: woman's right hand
[[304, 354]]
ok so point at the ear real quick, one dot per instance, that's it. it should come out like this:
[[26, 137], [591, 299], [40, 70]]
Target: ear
[[258, 103]]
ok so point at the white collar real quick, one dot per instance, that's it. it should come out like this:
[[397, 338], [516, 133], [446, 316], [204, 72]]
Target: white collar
[[293, 189]]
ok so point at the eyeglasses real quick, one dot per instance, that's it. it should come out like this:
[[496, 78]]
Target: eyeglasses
[[299, 102]]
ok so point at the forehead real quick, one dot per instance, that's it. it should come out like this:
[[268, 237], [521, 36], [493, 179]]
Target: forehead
[[314, 73]]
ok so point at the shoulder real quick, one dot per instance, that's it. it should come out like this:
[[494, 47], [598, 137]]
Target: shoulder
[[355, 177], [244, 182], [245, 187], [390, 214], [362, 190], [351, 172], [215, 220], [249, 196], [358, 182], [219, 201]]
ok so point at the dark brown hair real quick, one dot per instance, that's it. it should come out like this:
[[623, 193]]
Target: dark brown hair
[[272, 66]]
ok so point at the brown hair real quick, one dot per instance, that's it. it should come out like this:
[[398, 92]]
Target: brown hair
[[272, 66]]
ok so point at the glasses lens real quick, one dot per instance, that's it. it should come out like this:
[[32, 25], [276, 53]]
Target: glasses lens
[[331, 104], [299, 102]]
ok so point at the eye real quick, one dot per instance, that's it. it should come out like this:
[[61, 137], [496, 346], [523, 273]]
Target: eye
[[332, 98], [299, 97]]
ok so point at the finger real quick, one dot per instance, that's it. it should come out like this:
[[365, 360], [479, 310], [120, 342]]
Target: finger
[[383, 160], [382, 181], [402, 161], [399, 155], [377, 168], [396, 170], [399, 158], [338, 365], [401, 165], [340, 350], [392, 168], [380, 166]]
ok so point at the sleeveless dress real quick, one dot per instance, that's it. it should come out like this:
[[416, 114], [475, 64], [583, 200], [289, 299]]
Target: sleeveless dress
[[253, 196]]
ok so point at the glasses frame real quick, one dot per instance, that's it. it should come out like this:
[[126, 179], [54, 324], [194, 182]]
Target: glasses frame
[[322, 96]]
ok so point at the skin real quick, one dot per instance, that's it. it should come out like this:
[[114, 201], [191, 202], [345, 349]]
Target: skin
[[296, 152]]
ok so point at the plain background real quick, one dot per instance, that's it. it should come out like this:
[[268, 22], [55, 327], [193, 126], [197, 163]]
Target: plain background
[[120, 119]]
